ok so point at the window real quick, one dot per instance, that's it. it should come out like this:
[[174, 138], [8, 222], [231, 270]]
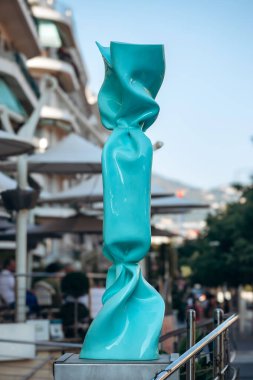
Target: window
[[49, 34]]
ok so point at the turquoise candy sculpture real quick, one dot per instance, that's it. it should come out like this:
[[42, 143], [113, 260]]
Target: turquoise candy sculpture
[[129, 324]]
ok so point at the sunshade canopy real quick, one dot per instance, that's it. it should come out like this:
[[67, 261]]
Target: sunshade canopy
[[58, 226], [5, 223], [168, 205], [7, 183], [175, 205], [76, 224], [162, 233], [71, 155], [91, 190], [12, 145]]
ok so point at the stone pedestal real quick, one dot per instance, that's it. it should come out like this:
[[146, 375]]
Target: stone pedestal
[[70, 367]]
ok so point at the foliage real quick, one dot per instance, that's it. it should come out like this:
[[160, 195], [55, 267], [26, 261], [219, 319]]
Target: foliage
[[223, 253]]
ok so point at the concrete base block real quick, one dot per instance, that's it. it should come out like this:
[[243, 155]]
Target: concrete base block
[[70, 367]]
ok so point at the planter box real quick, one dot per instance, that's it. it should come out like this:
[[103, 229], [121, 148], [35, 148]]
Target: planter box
[[16, 351], [41, 327]]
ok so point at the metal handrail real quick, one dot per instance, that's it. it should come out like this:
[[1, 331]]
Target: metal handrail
[[183, 330], [194, 350]]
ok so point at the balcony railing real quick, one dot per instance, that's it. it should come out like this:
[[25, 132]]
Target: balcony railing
[[20, 62]]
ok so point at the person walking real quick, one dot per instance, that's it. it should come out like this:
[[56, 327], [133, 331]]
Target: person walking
[[7, 282]]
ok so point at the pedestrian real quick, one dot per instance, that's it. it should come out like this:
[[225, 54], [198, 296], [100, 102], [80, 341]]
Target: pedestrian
[[7, 282], [48, 289], [74, 311]]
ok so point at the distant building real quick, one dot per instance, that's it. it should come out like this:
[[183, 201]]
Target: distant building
[[37, 42]]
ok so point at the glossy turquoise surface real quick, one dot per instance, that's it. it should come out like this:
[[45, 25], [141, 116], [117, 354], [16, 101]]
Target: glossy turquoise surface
[[129, 324]]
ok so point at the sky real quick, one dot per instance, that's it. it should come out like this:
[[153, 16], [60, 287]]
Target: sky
[[206, 116]]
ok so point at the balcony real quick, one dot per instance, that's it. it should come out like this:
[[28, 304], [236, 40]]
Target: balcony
[[63, 71], [19, 25], [17, 80], [55, 31], [58, 117], [61, 21]]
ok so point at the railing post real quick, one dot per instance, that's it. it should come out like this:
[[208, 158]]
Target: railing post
[[226, 352], [218, 347], [191, 340]]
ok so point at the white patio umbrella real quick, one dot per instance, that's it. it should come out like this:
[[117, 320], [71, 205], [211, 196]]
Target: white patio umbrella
[[7, 183], [12, 145], [175, 205], [71, 155], [91, 190], [167, 205]]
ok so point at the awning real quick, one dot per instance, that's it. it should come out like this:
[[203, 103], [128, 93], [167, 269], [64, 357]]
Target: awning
[[80, 224], [162, 233], [71, 155], [91, 190], [57, 227], [12, 145], [175, 205], [7, 183], [167, 205], [5, 223]]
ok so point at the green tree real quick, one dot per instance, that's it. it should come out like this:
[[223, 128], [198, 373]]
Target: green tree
[[223, 253]]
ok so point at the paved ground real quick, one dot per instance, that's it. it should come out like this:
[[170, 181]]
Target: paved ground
[[244, 357], [38, 369]]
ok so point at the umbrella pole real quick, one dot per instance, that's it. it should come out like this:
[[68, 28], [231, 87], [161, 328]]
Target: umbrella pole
[[21, 246], [48, 85]]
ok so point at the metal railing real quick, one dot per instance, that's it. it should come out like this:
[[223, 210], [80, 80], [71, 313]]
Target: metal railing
[[178, 334], [220, 356], [22, 66], [221, 352]]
